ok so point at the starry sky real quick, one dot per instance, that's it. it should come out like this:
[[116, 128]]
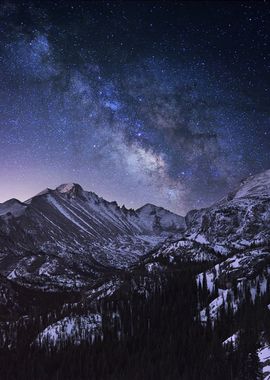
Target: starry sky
[[159, 102]]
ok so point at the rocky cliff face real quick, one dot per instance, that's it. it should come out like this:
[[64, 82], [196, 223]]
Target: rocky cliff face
[[233, 235], [236, 223], [68, 234]]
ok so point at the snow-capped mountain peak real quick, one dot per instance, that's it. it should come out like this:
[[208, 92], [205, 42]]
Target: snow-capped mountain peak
[[255, 186], [235, 229], [69, 188], [79, 229], [158, 219]]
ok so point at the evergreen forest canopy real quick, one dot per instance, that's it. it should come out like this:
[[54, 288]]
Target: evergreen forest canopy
[[157, 336]]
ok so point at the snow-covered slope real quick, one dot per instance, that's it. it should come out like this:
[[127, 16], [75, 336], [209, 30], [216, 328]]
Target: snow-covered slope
[[61, 233], [234, 234], [255, 186], [242, 219], [157, 219], [238, 222], [75, 329], [264, 358]]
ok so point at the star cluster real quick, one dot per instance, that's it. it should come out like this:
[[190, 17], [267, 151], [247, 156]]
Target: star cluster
[[161, 102]]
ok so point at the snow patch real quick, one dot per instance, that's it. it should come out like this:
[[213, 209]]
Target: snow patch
[[75, 329], [264, 358]]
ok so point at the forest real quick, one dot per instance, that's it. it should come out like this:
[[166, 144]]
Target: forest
[[153, 336]]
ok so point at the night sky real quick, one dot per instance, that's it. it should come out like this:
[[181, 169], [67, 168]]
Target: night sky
[[157, 102]]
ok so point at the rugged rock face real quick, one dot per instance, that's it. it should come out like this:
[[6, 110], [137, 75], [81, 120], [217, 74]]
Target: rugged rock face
[[233, 234], [242, 219], [234, 224], [67, 236]]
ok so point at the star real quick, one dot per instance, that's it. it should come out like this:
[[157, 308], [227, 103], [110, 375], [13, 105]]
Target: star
[[137, 102]]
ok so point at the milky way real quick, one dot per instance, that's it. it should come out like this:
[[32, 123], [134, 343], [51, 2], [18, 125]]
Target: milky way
[[157, 102]]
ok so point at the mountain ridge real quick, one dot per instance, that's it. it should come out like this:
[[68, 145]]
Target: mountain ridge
[[79, 228], [221, 254]]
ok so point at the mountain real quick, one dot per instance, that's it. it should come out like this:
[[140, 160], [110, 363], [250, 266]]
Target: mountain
[[230, 242], [238, 222], [84, 278], [232, 234], [69, 236]]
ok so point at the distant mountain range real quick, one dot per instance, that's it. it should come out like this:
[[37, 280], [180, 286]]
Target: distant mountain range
[[71, 242], [68, 233]]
